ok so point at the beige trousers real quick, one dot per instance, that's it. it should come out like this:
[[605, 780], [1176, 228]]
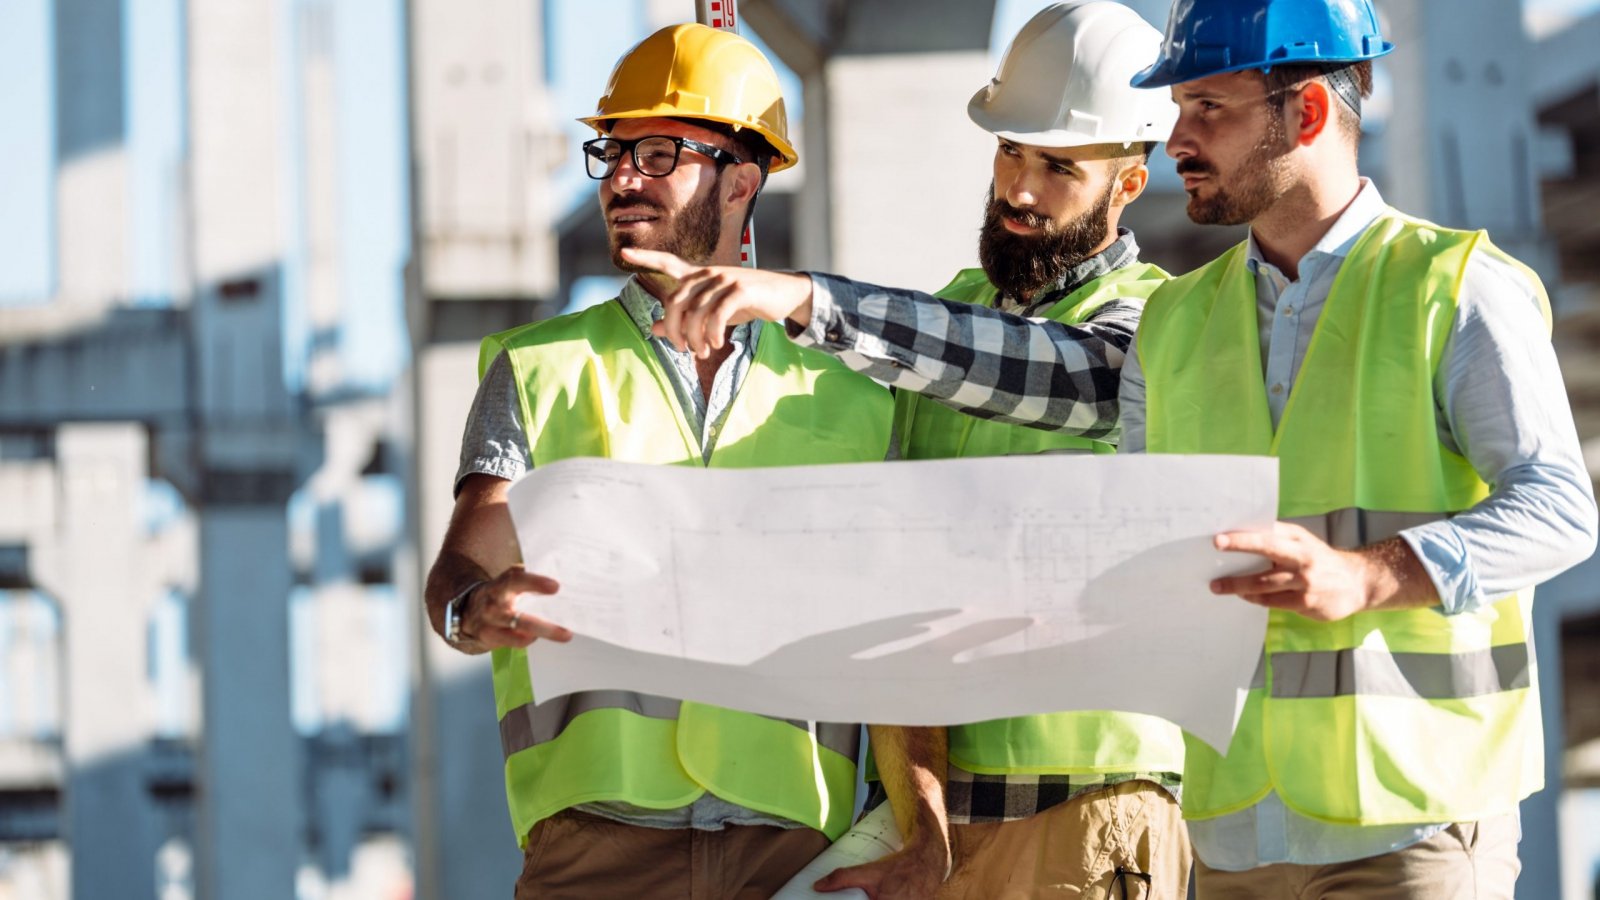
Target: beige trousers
[[577, 856], [1467, 861], [1075, 849]]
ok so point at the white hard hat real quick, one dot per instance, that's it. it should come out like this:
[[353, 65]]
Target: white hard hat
[[1064, 80]]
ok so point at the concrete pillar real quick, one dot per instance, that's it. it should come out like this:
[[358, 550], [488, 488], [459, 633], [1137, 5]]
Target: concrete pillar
[[91, 156], [1459, 141], [249, 801], [94, 565], [886, 87], [483, 145], [249, 794]]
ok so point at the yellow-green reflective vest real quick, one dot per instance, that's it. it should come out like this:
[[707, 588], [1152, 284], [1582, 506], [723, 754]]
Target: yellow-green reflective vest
[[1060, 743], [590, 385], [1385, 717]]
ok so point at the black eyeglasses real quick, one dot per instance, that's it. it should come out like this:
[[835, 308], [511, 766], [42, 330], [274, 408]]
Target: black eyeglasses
[[655, 155]]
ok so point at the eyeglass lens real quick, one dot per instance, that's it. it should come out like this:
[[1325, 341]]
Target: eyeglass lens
[[654, 156]]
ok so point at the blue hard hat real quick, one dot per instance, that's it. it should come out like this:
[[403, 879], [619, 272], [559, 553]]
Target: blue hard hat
[[1209, 37]]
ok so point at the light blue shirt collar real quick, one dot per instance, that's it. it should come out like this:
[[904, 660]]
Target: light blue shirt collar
[[1340, 239]]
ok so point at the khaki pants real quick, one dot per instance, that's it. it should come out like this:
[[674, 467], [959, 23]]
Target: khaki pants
[[576, 856], [1074, 849], [1467, 861]]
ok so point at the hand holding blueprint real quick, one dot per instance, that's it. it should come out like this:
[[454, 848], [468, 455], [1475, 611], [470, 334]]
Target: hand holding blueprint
[[910, 593]]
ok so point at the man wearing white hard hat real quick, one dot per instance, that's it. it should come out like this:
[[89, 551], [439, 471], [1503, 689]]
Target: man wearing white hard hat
[[1082, 802]]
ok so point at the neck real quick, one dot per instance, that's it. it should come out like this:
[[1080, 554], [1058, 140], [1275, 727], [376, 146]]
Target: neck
[[1287, 231]]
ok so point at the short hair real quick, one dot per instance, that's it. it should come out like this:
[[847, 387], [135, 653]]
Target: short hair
[[1279, 79], [748, 143], [1142, 152]]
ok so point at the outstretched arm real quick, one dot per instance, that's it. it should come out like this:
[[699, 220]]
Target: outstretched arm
[[977, 360]]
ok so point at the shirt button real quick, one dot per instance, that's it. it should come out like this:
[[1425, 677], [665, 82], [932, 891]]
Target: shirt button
[[833, 336], [1288, 310], [1277, 388]]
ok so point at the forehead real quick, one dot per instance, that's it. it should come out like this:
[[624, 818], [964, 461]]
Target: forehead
[[1073, 155], [627, 129], [1231, 85]]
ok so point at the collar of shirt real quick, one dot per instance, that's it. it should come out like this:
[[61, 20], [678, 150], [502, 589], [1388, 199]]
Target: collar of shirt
[[645, 310], [1336, 244], [1123, 252]]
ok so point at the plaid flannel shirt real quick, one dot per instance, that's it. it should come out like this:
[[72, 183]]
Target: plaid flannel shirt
[[984, 362], [994, 364]]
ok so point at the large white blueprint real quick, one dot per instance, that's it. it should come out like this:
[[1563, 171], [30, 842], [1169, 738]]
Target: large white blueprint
[[911, 593]]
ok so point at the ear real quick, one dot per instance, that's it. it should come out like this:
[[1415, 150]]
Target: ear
[[1316, 111], [740, 184], [1131, 181]]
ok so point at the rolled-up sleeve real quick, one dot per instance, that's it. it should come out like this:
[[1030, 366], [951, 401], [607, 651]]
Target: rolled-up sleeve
[[1504, 407], [494, 441], [980, 361]]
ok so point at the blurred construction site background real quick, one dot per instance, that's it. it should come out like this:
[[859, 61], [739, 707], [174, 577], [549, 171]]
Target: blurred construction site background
[[247, 250]]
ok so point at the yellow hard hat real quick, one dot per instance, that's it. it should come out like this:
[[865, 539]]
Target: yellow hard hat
[[698, 72]]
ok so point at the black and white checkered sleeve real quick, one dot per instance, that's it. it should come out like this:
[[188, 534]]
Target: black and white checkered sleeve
[[980, 361]]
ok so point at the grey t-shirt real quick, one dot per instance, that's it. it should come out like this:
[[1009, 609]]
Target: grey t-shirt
[[495, 443]]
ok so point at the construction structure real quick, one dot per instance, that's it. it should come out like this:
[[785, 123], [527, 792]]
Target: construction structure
[[215, 515]]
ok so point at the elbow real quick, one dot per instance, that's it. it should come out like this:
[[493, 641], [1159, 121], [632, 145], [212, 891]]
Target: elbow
[[1582, 531]]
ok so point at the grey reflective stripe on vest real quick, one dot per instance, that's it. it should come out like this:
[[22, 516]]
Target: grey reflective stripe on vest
[[1425, 676], [536, 723], [1351, 527]]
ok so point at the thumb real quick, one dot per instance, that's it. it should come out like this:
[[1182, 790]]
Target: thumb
[[661, 261]]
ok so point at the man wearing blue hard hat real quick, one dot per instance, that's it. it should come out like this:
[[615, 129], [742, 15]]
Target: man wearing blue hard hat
[[1430, 475]]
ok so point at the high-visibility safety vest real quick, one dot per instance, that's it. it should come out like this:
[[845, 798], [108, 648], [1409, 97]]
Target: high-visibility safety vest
[[590, 385], [1059, 743], [1406, 716]]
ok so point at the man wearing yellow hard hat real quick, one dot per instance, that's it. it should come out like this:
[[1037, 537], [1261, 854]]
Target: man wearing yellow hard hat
[[616, 794]]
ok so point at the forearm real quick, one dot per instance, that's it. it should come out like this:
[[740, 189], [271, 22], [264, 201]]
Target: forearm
[[977, 360], [1394, 577], [912, 764]]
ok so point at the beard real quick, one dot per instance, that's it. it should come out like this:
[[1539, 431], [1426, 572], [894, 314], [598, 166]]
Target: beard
[[691, 233], [1258, 182], [1020, 265]]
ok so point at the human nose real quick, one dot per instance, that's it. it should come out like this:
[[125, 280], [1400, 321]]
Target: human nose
[[1020, 192], [626, 177], [1180, 145]]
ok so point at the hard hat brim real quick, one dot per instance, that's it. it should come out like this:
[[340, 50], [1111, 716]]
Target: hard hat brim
[[1057, 138], [1166, 73]]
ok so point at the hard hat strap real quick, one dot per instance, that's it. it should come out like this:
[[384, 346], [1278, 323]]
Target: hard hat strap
[[1343, 82]]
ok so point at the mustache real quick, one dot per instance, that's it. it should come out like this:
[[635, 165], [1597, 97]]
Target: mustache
[[1194, 165], [634, 203], [1000, 207]]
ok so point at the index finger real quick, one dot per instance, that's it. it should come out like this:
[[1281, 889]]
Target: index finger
[[1261, 543], [668, 264]]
